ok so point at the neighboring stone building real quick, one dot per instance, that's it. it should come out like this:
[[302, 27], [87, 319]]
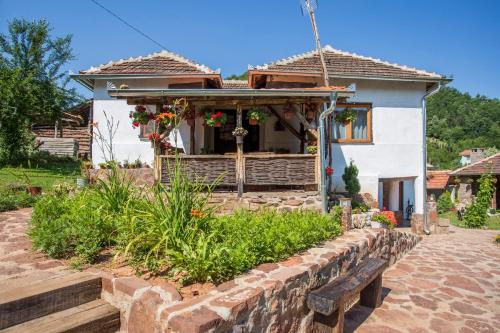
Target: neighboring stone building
[[467, 178], [469, 156]]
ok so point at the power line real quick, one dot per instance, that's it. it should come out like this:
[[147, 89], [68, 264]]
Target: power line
[[129, 25]]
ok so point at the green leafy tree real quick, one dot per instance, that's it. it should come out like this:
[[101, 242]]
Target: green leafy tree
[[444, 203], [458, 121], [33, 86], [351, 180], [243, 77], [476, 214]]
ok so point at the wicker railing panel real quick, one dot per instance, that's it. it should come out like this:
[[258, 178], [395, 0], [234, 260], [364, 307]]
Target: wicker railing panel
[[280, 170], [205, 167]]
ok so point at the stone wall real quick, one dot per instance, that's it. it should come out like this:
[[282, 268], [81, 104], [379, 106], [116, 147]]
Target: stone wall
[[282, 200], [269, 298]]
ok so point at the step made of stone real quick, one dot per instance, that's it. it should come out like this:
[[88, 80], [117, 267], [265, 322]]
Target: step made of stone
[[93, 317], [26, 303]]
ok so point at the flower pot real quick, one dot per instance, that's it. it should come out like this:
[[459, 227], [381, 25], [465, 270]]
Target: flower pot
[[253, 122], [239, 139], [217, 124], [190, 122], [346, 122], [34, 190], [376, 224]]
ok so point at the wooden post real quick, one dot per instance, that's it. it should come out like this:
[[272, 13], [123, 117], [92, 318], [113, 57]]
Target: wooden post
[[240, 167], [371, 296], [333, 323], [191, 138]]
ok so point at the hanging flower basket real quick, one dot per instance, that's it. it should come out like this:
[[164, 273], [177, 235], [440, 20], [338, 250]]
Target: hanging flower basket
[[141, 116], [287, 112], [257, 117], [329, 171], [215, 119], [166, 118], [311, 112], [239, 133], [345, 117], [154, 138]]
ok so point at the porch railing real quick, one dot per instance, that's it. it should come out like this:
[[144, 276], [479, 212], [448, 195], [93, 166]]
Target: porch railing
[[256, 169]]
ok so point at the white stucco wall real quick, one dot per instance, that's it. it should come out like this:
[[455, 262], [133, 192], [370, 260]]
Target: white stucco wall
[[396, 151], [127, 143]]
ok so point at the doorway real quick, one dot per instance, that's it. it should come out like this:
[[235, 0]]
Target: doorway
[[225, 142]]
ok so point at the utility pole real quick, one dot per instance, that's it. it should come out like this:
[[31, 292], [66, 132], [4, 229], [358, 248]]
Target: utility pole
[[310, 9]]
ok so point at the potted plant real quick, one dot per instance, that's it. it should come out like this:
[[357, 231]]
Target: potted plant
[[287, 112], [141, 116], [166, 118], [312, 149], [215, 119], [311, 111], [345, 117], [384, 219], [257, 117], [239, 133]]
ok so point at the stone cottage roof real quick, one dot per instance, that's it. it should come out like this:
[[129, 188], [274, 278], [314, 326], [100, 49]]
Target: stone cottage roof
[[163, 62], [480, 167], [349, 65], [437, 179]]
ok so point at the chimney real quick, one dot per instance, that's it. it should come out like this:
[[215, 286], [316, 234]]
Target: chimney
[[476, 154]]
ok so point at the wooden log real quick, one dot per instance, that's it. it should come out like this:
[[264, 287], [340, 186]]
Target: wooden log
[[305, 123]]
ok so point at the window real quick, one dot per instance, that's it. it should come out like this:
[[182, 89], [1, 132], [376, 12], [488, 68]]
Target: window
[[146, 130], [358, 131]]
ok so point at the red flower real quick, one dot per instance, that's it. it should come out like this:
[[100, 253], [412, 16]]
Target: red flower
[[390, 215], [329, 171], [151, 116], [135, 124], [154, 137]]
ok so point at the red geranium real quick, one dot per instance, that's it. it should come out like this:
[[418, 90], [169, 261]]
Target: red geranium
[[329, 171], [154, 137], [390, 215], [135, 124]]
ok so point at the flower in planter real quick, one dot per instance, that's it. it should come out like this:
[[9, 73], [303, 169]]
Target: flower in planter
[[215, 119], [240, 131], [257, 117], [329, 171], [386, 218], [345, 117], [141, 116], [312, 149]]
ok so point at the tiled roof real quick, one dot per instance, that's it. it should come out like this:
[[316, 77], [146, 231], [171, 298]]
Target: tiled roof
[[465, 152], [235, 84], [437, 179], [163, 62], [480, 167], [345, 64]]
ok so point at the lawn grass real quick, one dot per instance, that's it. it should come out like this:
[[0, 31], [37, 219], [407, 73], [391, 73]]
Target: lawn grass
[[44, 173], [493, 222]]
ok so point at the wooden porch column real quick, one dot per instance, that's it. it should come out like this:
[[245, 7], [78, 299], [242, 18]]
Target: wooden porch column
[[191, 138], [240, 167]]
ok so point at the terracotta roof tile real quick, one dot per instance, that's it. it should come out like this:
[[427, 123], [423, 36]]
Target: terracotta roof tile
[[437, 179], [163, 62], [480, 167], [465, 152], [345, 64]]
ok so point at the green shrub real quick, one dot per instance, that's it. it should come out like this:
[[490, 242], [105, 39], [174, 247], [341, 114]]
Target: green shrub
[[476, 214], [12, 198], [350, 178], [444, 203], [7, 202], [359, 207]]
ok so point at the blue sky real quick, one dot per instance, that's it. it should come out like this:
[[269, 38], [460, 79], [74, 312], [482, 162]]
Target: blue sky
[[452, 37]]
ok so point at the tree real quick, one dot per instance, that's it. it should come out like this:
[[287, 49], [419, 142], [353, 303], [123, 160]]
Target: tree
[[458, 121], [33, 86], [444, 203], [476, 214], [351, 180], [243, 76]]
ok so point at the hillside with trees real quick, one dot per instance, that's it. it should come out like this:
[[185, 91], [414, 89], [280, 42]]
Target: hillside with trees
[[457, 121]]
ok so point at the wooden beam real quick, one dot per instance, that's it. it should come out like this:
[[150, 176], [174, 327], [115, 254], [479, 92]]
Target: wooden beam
[[192, 137], [286, 124], [306, 124], [240, 161]]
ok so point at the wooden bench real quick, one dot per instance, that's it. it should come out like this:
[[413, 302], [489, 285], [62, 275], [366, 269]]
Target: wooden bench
[[328, 302]]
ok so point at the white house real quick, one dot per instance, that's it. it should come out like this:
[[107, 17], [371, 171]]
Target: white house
[[386, 141]]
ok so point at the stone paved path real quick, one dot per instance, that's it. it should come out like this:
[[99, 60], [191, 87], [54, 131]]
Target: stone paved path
[[18, 263], [448, 283]]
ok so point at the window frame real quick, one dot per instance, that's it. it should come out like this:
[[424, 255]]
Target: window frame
[[348, 130]]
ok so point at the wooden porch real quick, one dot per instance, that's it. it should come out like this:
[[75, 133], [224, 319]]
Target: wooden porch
[[250, 170]]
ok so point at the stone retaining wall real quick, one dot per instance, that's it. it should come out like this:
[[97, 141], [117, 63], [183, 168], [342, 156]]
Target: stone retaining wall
[[269, 298]]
